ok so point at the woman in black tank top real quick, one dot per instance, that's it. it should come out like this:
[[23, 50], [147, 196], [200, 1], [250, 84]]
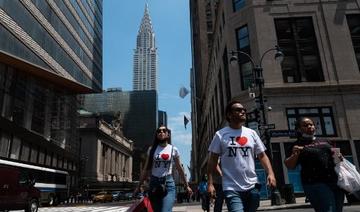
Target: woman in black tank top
[[318, 176]]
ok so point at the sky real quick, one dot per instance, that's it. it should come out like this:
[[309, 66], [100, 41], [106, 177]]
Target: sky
[[171, 24]]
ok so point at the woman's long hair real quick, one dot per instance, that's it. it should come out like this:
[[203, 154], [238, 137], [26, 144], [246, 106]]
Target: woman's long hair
[[155, 144]]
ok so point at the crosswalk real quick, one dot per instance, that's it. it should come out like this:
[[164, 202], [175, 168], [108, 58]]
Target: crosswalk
[[82, 209]]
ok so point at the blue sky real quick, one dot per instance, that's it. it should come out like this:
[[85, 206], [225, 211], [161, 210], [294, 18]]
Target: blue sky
[[170, 19]]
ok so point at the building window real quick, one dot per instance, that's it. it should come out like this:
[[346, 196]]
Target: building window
[[354, 27], [15, 148], [4, 144], [19, 95], [25, 152], [41, 159], [48, 159], [38, 116], [296, 36], [245, 65], [34, 154], [238, 4], [322, 116]]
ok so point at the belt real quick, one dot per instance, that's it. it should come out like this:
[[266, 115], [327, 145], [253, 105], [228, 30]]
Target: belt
[[163, 178]]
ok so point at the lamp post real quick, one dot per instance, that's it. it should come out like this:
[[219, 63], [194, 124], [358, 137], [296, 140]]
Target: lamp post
[[259, 81]]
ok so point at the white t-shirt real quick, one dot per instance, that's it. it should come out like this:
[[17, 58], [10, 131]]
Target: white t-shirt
[[237, 148], [162, 160]]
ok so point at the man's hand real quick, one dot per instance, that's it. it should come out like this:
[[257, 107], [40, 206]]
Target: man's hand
[[271, 181], [189, 190], [211, 191]]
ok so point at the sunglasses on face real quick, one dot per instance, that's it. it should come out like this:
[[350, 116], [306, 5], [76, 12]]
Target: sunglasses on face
[[239, 110], [161, 130]]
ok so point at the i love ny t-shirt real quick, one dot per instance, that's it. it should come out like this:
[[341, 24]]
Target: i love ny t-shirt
[[237, 149], [163, 159]]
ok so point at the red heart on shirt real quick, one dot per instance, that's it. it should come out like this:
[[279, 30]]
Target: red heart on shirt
[[165, 156], [241, 140]]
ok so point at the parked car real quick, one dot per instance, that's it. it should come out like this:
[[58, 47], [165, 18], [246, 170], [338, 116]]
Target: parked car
[[128, 196], [117, 195], [103, 196], [17, 191]]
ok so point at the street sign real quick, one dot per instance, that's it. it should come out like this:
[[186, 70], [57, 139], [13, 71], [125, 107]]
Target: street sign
[[266, 127], [283, 133]]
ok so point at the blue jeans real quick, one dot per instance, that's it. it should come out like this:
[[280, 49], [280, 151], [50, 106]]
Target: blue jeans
[[242, 201], [163, 204], [324, 197]]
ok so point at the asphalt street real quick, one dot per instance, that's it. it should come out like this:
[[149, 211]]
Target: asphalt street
[[115, 207]]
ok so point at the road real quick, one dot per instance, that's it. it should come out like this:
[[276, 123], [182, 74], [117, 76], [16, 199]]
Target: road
[[111, 207], [354, 208]]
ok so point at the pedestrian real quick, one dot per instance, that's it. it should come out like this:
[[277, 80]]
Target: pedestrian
[[318, 176], [219, 200], [237, 146], [205, 200], [158, 166]]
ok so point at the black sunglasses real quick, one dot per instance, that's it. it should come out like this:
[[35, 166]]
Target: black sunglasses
[[239, 109], [161, 130]]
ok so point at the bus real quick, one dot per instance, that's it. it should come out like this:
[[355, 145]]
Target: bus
[[52, 183]]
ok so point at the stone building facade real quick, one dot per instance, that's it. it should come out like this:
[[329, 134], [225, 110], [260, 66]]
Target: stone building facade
[[319, 76], [105, 156]]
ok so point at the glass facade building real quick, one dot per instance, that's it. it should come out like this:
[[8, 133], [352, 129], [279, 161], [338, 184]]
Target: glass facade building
[[139, 115], [50, 51]]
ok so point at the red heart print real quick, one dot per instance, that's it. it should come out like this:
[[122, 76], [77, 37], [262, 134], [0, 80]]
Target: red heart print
[[165, 156], [241, 140]]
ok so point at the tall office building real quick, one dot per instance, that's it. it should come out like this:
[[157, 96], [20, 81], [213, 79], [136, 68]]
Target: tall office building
[[50, 51], [319, 76], [145, 56]]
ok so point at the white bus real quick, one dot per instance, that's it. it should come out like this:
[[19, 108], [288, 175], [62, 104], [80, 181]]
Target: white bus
[[52, 183]]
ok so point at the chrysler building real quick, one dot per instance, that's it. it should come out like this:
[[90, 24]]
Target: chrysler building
[[145, 56]]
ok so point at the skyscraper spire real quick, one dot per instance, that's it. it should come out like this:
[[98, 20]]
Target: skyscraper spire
[[145, 56]]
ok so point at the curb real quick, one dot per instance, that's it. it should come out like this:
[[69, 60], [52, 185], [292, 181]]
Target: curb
[[281, 207]]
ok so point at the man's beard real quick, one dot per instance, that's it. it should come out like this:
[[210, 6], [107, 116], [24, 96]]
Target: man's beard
[[241, 120]]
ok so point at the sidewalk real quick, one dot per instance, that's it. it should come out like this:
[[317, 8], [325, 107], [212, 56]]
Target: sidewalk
[[265, 205]]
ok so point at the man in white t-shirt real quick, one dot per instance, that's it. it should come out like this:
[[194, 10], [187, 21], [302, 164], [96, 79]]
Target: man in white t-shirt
[[237, 146]]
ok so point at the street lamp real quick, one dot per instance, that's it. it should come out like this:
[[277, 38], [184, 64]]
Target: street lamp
[[259, 81]]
